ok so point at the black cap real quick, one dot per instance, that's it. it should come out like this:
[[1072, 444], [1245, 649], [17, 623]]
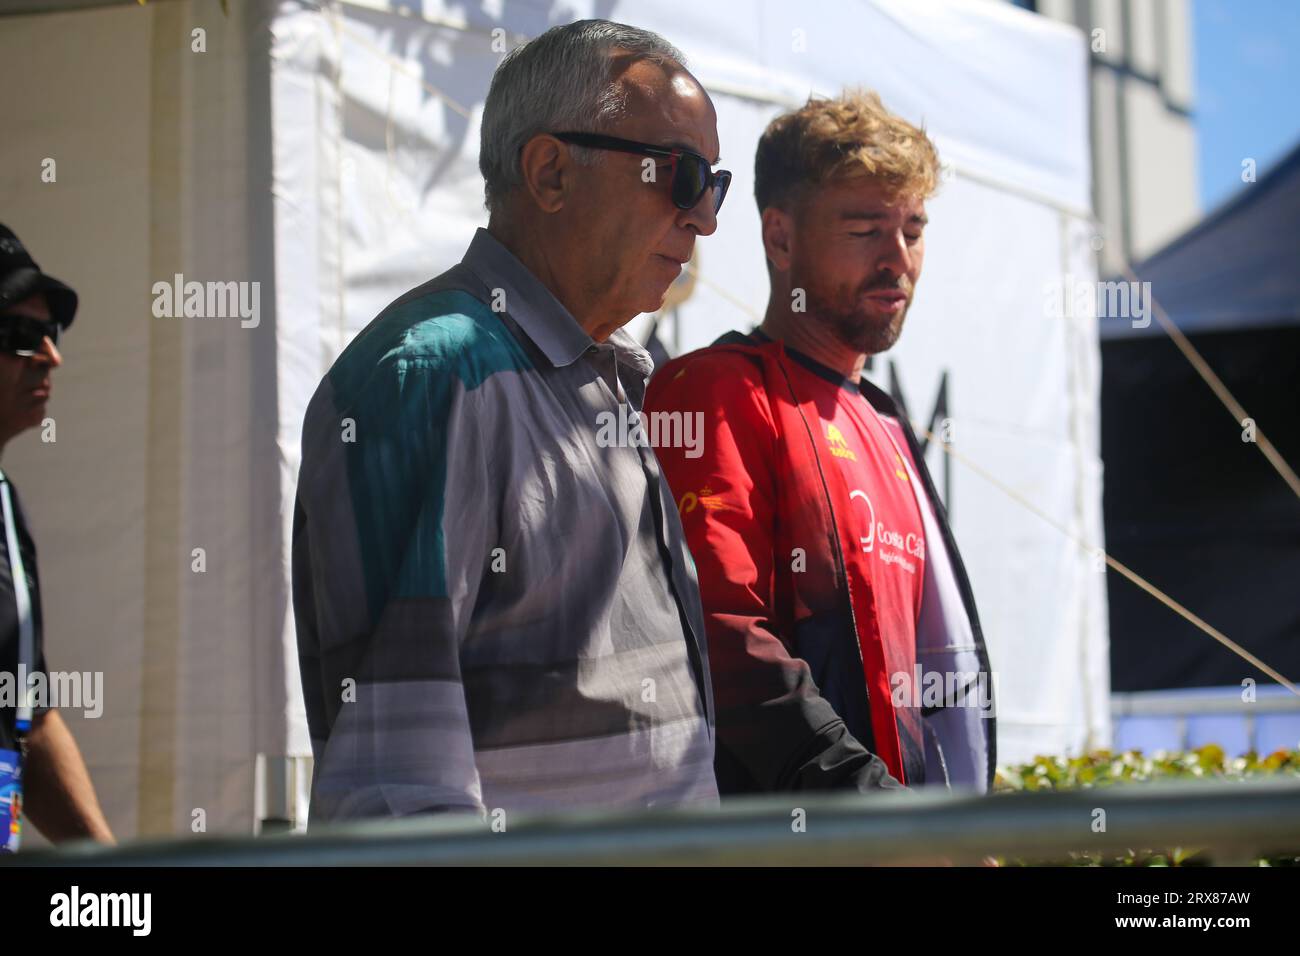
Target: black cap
[[21, 277]]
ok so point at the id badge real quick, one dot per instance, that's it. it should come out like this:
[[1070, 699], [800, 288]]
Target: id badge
[[11, 800]]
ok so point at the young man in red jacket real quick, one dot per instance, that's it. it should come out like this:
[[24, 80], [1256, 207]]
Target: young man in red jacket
[[845, 646]]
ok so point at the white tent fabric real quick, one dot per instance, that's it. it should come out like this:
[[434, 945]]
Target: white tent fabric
[[330, 153]]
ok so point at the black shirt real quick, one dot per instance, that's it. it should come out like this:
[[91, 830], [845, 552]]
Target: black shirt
[[9, 622]]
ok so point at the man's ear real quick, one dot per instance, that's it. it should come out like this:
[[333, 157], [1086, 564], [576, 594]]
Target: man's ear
[[546, 167], [778, 230]]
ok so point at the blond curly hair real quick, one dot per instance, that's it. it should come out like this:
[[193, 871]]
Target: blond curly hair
[[839, 139]]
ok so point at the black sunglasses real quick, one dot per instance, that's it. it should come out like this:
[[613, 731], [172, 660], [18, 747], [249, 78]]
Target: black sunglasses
[[23, 335], [692, 176]]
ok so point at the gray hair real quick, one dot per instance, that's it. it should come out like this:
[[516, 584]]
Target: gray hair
[[559, 81]]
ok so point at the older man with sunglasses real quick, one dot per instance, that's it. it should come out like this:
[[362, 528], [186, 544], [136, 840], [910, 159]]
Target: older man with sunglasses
[[495, 608], [42, 774]]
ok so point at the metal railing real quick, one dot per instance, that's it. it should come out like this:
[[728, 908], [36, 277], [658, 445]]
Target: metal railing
[[1233, 822]]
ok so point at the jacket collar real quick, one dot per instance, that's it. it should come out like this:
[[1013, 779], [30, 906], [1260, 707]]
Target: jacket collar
[[880, 400], [540, 315]]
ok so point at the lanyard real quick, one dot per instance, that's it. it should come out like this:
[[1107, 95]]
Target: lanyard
[[23, 600]]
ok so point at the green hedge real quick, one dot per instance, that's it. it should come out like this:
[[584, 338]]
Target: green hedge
[[1102, 768]]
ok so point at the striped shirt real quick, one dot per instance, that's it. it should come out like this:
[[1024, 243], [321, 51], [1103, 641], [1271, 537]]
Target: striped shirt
[[495, 608]]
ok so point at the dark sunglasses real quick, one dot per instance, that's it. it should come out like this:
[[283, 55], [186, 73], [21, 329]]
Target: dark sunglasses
[[692, 177], [23, 335]]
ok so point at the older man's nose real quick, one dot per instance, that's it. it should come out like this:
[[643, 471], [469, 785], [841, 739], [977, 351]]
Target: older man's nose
[[703, 216]]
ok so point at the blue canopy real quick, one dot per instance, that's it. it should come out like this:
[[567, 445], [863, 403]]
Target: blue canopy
[[1237, 269]]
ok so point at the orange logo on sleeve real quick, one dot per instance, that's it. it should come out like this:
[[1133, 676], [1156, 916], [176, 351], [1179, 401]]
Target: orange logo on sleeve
[[706, 499]]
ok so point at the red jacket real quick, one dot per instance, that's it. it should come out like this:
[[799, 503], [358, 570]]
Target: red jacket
[[797, 705]]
